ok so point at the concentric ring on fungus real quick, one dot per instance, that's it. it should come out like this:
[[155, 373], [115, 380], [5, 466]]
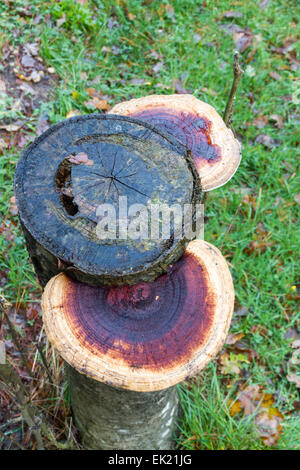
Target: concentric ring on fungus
[[148, 336], [195, 124]]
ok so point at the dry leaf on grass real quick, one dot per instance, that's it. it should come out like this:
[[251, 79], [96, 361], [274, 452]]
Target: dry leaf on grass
[[97, 103], [13, 206], [268, 418], [260, 121]]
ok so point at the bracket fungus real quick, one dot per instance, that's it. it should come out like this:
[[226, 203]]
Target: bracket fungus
[[195, 124], [122, 341], [93, 161]]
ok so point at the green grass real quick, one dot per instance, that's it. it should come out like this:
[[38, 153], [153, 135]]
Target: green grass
[[263, 281]]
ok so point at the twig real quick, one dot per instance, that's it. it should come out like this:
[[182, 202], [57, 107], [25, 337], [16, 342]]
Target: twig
[[12, 439], [237, 74], [15, 385], [44, 361], [3, 308]]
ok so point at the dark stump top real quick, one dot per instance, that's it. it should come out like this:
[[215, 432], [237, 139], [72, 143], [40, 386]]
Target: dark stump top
[[113, 162]]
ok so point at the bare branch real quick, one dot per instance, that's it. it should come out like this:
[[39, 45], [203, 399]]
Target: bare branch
[[237, 74]]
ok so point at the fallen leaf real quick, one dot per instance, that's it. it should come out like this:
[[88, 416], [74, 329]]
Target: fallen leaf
[[296, 343], [234, 407], [257, 248], [3, 144], [278, 120], [106, 49], [35, 76], [266, 141], [115, 50], [72, 113], [163, 86], [297, 198], [232, 14], [243, 39], [157, 67], [97, 103], [269, 427], [249, 399], [241, 312], [231, 363], [138, 81], [13, 206], [28, 61], [275, 76], [260, 329], [32, 48], [178, 87], [209, 91], [43, 124], [260, 121], [233, 338], [10, 127], [79, 158], [61, 20]]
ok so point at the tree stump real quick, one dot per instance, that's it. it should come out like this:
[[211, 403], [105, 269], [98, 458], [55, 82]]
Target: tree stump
[[95, 161], [144, 339]]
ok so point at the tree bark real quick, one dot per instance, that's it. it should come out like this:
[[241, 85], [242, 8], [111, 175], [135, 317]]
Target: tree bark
[[112, 418]]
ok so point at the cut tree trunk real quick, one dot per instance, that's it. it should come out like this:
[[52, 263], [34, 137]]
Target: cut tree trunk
[[112, 418], [87, 162]]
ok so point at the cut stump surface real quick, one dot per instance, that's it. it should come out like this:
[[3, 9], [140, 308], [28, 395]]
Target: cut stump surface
[[96, 160]]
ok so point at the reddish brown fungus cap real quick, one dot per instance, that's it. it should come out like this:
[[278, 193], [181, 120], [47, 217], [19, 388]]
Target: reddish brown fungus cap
[[197, 125], [148, 336]]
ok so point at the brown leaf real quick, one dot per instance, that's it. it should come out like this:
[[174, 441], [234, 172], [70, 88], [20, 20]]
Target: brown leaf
[[137, 81], [297, 198], [260, 121], [178, 87], [28, 61], [80, 158], [275, 76], [157, 67], [233, 338], [97, 103], [13, 206], [249, 398], [61, 20], [10, 127], [92, 92], [43, 124], [3, 144], [243, 39], [260, 329], [256, 248], [170, 11], [234, 407], [232, 14], [268, 426], [266, 141], [278, 120]]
